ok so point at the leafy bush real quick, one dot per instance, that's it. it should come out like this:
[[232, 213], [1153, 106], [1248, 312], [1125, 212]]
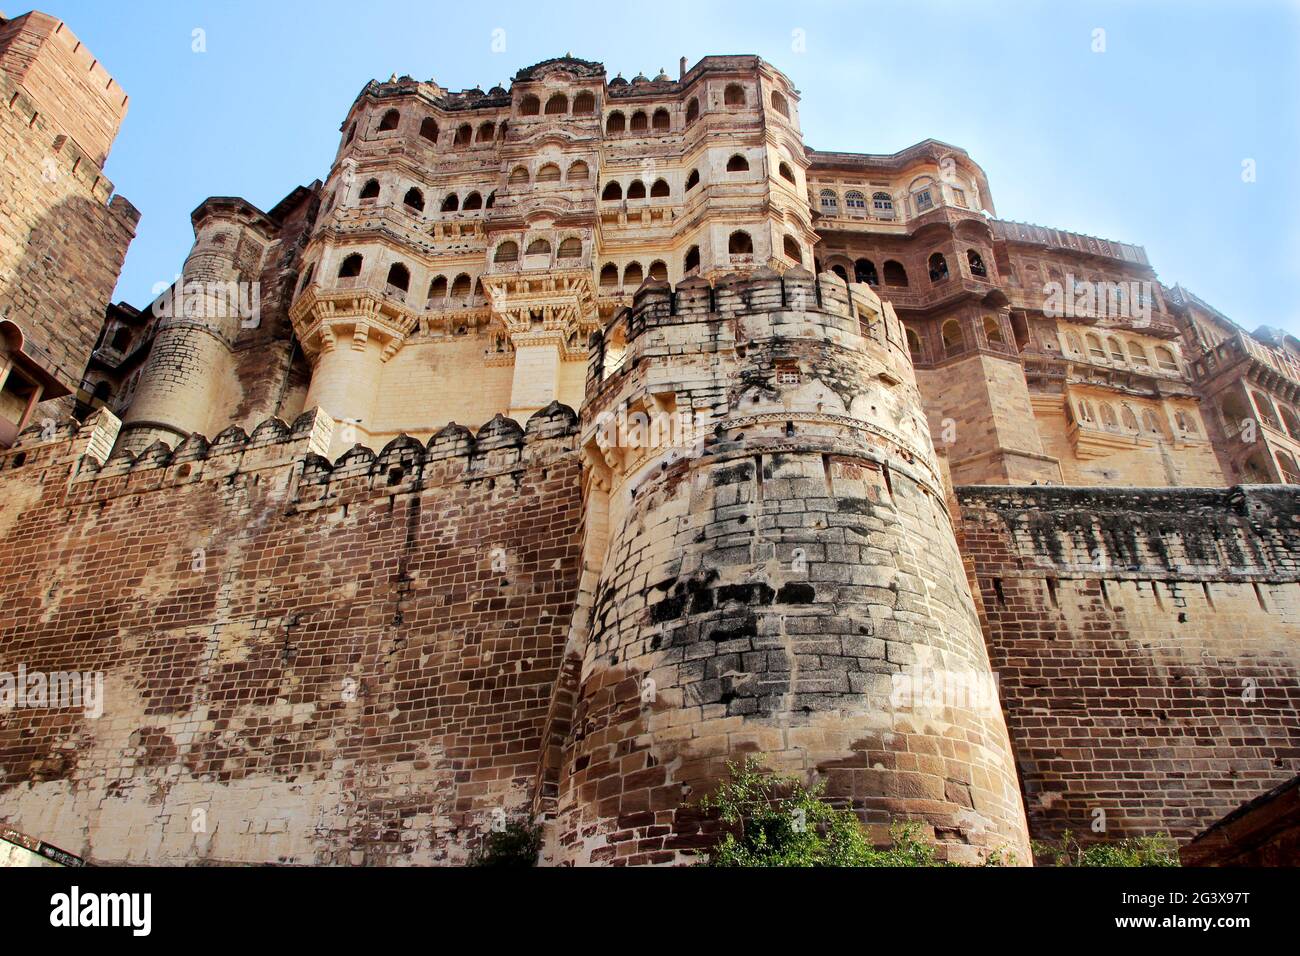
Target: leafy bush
[[1159, 850], [777, 821], [517, 845]]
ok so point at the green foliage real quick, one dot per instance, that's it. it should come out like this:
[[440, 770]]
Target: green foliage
[[517, 845], [1157, 850], [777, 821]]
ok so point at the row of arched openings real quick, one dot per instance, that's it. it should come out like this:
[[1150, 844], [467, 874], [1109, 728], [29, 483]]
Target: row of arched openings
[[414, 198], [557, 104]]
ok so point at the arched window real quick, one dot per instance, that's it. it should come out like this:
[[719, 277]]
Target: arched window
[[571, 248], [550, 173], [1095, 349], [692, 260], [1137, 354], [993, 331], [102, 391], [579, 172], [1152, 425], [1289, 419], [609, 276], [882, 206], [938, 267], [894, 273], [584, 104], [492, 197], [976, 263], [638, 122], [829, 202], [370, 190], [460, 289], [429, 129], [1117, 354], [1129, 419], [913, 344], [692, 179], [1287, 465], [855, 204], [539, 247], [530, 106], [1072, 341], [737, 164], [864, 270], [438, 289], [786, 173], [632, 275], [661, 120], [518, 177], [557, 105], [636, 190], [122, 337], [740, 244], [473, 201], [692, 111], [451, 203], [1165, 359], [659, 190], [464, 135], [615, 123], [953, 341], [840, 271], [1187, 423], [507, 252], [1108, 419], [1265, 409], [659, 270], [486, 132], [399, 277], [790, 247], [414, 199], [352, 132], [733, 95], [612, 191], [390, 121], [351, 266], [780, 105], [306, 281]]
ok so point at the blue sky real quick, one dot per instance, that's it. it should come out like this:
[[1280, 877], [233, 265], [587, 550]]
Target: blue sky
[[1143, 142]]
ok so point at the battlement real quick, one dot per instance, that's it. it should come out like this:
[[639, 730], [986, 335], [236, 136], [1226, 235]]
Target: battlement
[[66, 82], [1243, 533], [497, 448], [851, 314]]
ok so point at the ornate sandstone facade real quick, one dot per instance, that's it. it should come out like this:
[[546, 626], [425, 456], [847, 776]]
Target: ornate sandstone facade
[[761, 430]]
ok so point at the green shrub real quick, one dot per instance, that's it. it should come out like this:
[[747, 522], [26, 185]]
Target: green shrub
[[517, 845], [777, 821], [1158, 850]]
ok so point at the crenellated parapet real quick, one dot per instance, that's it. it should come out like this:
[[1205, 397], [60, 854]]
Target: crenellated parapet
[[293, 455]]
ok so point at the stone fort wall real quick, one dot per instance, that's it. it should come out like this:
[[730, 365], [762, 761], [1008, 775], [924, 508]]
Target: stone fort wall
[[304, 662], [1145, 642]]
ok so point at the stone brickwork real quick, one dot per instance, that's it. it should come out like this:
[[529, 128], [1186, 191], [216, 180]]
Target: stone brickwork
[[1145, 644], [774, 592], [347, 663], [63, 236]]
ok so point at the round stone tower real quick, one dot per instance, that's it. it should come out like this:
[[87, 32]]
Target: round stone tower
[[771, 570], [188, 377]]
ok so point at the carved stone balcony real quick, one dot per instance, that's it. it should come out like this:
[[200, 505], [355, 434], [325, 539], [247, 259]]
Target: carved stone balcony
[[322, 316]]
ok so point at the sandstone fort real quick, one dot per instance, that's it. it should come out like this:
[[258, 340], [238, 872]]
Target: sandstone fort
[[566, 441]]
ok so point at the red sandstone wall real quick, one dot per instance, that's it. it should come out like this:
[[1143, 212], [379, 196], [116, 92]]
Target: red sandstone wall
[[1147, 644], [358, 670]]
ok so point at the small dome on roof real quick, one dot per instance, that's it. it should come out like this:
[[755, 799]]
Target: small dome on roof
[[662, 77], [618, 81], [639, 79]]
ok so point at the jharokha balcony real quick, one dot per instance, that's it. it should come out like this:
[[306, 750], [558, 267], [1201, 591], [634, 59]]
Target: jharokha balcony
[[1273, 370], [354, 307]]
